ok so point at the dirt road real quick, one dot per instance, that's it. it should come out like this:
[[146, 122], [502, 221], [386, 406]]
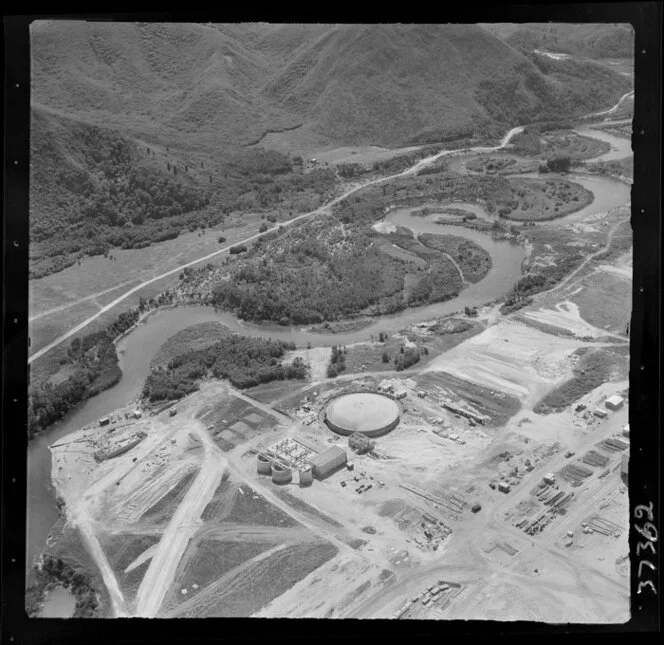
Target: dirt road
[[98, 555], [590, 258], [183, 525]]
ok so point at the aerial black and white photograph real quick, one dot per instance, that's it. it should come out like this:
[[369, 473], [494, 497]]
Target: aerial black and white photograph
[[330, 320]]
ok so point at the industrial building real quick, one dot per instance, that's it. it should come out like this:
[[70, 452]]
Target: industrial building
[[370, 413], [328, 462], [614, 402]]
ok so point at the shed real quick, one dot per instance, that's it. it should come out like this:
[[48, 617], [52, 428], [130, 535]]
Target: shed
[[104, 422], [625, 430], [549, 478], [503, 487], [602, 414], [614, 402], [328, 461]]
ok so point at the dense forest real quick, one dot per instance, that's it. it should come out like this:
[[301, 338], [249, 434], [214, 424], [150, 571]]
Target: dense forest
[[93, 189], [244, 361], [91, 367]]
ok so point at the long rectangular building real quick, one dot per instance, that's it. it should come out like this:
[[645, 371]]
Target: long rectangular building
[[328, 461]]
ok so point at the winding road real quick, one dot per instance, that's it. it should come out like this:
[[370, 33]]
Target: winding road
[[322, 210]]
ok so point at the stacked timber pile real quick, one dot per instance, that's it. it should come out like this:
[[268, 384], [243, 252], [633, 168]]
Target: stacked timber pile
[[575, 473], [613, 445], [595, 459]]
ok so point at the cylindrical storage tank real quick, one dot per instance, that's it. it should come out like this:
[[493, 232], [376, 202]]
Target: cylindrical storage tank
[[370, 413], [306, 477], [281, 474], [264, 464]]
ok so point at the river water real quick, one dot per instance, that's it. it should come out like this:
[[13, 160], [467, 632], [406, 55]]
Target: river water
[[137, 349]]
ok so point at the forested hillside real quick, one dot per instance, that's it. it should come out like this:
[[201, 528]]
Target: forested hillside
[[591, 40], [140, 131]]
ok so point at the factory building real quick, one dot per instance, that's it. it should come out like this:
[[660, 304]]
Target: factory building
[[328, 462], [264, 464], [614, 402]]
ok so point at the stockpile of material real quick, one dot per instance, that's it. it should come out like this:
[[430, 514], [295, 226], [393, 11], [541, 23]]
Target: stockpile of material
[[575, 473], [595, 459], [613, 445], [600, 525]]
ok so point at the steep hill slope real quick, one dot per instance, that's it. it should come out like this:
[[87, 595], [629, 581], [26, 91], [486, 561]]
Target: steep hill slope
[[591, 40], [140, 130], [378, 84]]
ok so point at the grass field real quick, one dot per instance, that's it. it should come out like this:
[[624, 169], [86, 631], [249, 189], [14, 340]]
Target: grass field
[[305, 508], [206, 561], [251, 508], [605, 301], [98, 273], [245, 590], [161, 512], [121, 550]]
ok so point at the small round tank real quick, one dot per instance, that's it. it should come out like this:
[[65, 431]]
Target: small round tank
[[264, 464], [281, 474], [306, 477]]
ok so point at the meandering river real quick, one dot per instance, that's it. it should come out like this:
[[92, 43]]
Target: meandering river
[[137, 349]]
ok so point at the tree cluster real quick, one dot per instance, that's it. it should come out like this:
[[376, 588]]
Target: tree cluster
[[243, 360], [55, 571], [337, 363], [94, 365], [407, 358]]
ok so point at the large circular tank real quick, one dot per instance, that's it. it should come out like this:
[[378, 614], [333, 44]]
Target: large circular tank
[[281, 474], [264, 464], [370, 413]]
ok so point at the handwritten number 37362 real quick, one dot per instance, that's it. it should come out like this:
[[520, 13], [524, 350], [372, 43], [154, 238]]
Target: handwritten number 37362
[[649, 532]]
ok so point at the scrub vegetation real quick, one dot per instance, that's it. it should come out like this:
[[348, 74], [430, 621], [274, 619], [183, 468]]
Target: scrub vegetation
[[242, 360]]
